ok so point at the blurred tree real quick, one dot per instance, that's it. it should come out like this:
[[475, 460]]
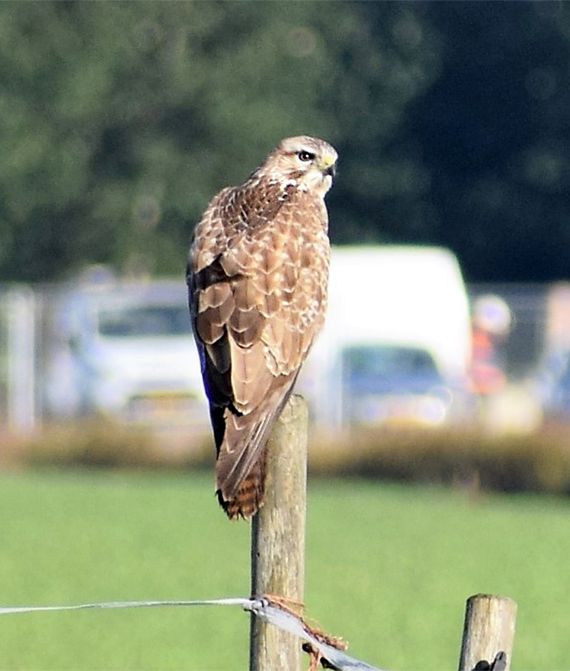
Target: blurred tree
[[120, 120], [384, 64], [495, 137]]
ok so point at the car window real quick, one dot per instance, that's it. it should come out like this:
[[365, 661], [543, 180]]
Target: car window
[[140, 321], [387, 361]]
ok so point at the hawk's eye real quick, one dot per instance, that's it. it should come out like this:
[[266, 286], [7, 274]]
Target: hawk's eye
[[305, 155]]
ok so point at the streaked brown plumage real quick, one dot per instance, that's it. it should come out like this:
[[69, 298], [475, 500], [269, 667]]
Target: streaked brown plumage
[[257, 279]]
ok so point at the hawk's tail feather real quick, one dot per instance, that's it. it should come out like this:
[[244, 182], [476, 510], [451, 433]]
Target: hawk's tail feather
[[241, 479], [249, 496], [241, 461]]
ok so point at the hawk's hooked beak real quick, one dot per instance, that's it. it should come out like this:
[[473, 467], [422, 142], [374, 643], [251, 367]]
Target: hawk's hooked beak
[[327, 165]]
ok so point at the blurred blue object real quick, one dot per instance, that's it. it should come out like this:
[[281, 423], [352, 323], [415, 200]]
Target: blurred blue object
[[553, 382], [393, 384]]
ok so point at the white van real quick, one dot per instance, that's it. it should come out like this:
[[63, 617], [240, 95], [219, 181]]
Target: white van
[[397, 339]]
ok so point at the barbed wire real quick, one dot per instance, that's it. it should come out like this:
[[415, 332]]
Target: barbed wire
[[262, 607]]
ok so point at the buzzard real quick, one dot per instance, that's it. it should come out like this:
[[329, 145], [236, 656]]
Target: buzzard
[[257, 281]]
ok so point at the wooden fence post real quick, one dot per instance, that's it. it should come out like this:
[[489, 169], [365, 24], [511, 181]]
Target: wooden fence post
[[488, 633], [278, 537]]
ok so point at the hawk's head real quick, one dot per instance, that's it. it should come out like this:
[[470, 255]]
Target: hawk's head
[[306, 161]]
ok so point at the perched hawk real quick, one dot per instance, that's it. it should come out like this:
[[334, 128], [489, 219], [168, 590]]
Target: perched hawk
[[257, 279]]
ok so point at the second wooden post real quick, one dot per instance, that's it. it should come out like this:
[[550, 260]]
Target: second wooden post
[[488, 631]]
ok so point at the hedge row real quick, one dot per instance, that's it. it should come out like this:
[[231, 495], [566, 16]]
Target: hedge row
[[103, 443], [537, 461]]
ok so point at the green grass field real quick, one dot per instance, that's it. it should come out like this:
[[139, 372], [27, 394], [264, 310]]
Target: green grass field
[[388, 568]]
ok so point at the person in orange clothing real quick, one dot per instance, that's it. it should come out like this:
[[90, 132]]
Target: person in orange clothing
[[491, 325]]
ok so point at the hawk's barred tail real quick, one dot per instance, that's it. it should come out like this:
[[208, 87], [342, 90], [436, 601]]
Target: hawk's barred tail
[[249, 497]]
